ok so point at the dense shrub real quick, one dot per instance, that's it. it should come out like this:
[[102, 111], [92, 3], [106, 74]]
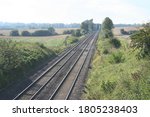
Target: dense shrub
[[115, 42], [116, 57], [51, 30], [41, 33], [68, 31], [122, 31], [19, 58], [76, 33], [74, 40], [25, 33], [105, 51], [14, 33]]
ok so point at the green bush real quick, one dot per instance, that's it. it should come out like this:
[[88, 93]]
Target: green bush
[[72, 40], [76, 33], [41, 33], [17, 59], [115, 42], [116, 57], [105, 51], [68, 32], [14, 33], [25, 33]]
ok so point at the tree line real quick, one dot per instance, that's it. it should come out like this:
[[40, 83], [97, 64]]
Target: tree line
[[87, 26], [49, 32]]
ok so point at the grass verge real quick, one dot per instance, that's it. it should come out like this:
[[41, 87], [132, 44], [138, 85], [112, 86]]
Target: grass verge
[[117, 74]]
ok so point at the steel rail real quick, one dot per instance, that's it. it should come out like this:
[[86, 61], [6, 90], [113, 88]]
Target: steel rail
[[51, 77], [79, 71], [65, 77], [53, 65]]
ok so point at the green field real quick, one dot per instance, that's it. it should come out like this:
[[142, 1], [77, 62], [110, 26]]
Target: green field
[[50, 41]]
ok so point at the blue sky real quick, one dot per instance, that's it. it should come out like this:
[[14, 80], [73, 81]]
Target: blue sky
[[74, 11]]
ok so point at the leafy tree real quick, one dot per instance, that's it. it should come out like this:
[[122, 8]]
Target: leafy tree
[[106, 29], [90, 25], [107, 33], [26, 33], [51, 30], [84, 27], [107, 24], [76, 33], [14, 33], [141, 41], [87, 26], [96, 27]]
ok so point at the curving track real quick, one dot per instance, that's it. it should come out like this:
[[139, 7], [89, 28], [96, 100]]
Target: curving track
[[58, 81]]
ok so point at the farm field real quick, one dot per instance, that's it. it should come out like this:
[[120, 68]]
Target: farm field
[[57, 30], [48, 41], [116, 30]]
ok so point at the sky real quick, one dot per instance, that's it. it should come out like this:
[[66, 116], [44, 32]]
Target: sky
[[74, 11]]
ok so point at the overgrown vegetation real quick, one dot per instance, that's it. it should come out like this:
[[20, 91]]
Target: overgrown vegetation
[[17, 59], [141, 41], [117, 73]]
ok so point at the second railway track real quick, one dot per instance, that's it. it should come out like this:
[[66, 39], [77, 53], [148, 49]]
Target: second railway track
[[58, 80]]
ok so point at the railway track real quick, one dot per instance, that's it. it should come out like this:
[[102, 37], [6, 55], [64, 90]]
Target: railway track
[[58, 81]]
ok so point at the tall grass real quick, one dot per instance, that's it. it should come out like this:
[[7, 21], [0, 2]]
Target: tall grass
[[117, 74]]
